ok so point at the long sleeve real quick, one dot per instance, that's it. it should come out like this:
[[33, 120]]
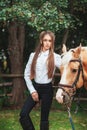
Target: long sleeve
[[57, 59], [27, 74]]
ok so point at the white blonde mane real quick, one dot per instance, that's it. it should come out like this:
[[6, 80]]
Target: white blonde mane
[[67, 57]]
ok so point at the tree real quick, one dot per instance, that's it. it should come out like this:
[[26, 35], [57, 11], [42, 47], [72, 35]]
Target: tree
[[13, 15], [16, 47], [52, 15]]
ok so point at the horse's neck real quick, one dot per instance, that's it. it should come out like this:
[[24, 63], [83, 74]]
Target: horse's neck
[[84, 63]]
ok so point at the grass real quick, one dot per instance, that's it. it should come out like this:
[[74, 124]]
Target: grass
[[9, 119]]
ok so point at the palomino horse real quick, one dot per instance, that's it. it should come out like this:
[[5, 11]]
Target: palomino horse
[[73, 73]]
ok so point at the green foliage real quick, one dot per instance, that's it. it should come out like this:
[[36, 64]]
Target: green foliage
[[80, 5], [61, 4], [48, 17], [55, 15], [20, 12], [51, 15], [36, 3]]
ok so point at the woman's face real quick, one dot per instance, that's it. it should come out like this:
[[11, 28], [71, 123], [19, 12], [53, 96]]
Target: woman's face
[[47, 42]]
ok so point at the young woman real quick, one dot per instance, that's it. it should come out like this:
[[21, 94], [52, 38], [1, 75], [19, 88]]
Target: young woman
[[40, 68]]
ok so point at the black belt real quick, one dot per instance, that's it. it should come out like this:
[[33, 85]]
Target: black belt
[[44, 84]]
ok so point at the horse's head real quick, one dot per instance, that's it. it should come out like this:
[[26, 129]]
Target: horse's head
[[71, 75]]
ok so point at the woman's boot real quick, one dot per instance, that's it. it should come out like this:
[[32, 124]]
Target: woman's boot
[[26, 123], [44, 125]]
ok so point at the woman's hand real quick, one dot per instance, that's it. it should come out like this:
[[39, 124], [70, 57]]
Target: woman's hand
[[35, 96]]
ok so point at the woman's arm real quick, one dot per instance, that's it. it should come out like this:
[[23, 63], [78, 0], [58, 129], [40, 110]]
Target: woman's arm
[[27, 74]]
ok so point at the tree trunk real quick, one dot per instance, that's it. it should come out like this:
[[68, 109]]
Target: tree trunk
[[65, 36], [16, 47], [67, 30]]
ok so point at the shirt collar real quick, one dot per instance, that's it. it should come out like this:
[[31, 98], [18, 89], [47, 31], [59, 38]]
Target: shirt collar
[[45, 52]]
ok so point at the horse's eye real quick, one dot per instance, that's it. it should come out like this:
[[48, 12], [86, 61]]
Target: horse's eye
[[74, 70]]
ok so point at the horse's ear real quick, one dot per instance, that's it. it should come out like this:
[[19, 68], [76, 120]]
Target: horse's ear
[[64, 49], [80, 45], [77, 51]]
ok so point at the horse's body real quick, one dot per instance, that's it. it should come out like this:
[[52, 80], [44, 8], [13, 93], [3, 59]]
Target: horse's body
[[73, 72]]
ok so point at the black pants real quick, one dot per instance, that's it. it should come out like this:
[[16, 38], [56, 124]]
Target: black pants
[[45, 92]]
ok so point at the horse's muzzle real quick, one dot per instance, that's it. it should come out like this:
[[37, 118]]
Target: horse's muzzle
[[67, 99]]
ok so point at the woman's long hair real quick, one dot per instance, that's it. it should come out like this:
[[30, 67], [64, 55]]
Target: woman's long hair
[[50, 60]]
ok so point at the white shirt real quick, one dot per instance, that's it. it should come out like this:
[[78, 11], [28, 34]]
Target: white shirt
[[41, 69]]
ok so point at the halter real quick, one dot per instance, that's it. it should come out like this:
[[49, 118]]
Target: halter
[[67, 95]]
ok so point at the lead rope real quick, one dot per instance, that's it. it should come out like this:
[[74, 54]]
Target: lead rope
[[70, 118]]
